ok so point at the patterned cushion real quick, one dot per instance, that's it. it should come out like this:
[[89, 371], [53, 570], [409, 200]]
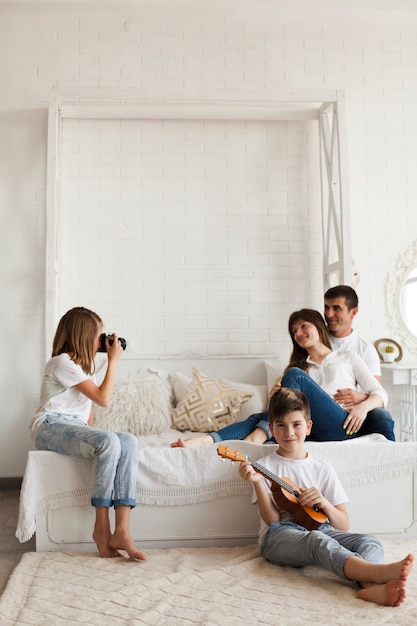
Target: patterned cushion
[[208, 405]]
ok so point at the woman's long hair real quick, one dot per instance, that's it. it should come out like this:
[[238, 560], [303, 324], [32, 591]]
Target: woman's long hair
[[75, 335], [299, 355]]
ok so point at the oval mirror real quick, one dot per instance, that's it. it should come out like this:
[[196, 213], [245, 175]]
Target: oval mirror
[[401, 298]]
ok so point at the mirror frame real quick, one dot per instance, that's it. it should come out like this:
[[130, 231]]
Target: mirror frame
[[394, 285]]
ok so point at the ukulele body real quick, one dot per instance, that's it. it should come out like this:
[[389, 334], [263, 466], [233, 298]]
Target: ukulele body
[[284, 491], [303, 515]]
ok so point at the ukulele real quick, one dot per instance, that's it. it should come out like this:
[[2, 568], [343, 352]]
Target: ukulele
[[284, 491]]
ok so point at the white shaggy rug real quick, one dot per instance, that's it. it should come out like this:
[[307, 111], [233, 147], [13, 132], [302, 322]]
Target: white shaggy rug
[[210, 586]]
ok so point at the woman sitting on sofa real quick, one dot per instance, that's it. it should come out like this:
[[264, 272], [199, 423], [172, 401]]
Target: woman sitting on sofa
[[319, 372]]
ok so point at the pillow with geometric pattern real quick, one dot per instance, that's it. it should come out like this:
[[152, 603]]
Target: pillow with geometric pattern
[[208, 405]]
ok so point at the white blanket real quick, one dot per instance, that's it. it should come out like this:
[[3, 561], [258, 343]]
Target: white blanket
[[177, 476]]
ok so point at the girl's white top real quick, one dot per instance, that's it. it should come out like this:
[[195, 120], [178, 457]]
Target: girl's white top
[[58, 391]]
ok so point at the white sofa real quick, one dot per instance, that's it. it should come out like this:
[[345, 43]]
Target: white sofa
[[188, 496]]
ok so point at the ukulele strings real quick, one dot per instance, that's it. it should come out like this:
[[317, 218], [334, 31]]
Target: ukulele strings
[[275, 479]]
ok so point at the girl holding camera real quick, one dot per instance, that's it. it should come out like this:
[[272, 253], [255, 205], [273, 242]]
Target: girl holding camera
[[64, 423]]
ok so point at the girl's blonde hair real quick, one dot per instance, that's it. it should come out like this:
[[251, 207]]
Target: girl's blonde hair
[[299, 355], [75, 335]]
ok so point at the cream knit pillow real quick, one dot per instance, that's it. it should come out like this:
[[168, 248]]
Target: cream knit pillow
[[141, 406]]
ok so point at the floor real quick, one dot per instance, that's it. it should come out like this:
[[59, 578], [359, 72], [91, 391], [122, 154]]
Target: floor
[[10, 548]]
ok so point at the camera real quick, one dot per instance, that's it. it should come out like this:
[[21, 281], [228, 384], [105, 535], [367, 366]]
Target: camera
[[102, 346]]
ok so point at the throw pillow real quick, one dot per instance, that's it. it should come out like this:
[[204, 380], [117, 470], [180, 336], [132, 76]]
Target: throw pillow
[[208, 405], [141, 406], [274, 370], [180, 383], [256, 404]]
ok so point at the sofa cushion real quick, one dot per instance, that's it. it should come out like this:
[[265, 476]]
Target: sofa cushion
[[208, 405], [141, 405]]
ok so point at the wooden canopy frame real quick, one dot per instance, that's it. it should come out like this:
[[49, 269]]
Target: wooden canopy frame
[[327, 108]]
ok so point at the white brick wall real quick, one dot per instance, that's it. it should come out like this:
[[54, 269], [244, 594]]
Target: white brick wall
[[184, 266], [182, 215]]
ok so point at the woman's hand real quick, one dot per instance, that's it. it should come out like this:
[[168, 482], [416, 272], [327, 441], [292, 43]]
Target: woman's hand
[[274, 388], [354, 420]]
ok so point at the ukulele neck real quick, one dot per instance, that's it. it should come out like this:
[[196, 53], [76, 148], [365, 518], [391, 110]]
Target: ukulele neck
[[273, 477]]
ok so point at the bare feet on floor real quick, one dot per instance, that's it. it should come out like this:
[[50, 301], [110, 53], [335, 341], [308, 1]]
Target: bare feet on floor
[[392, 591], [102, 540], [122, 540]]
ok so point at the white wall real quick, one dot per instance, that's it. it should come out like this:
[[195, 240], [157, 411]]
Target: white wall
[[195, 50]]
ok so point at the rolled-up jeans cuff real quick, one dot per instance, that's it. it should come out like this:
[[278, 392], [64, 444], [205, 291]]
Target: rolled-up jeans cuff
[[125, 502], [98, 503], [216, 437], [264, 424]]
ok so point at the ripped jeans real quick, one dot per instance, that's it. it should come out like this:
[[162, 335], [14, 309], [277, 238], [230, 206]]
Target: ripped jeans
[[115, 456]]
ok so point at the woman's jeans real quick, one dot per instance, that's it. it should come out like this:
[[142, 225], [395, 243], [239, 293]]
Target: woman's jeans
[[240, 430], [115, 455], [327, 416], [291, 545]]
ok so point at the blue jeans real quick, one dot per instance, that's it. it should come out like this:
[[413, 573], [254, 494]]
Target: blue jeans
[[115, 456], [240, 430], [328, 416], [289, 544]]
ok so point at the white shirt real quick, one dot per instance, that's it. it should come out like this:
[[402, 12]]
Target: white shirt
[[345, 370], [58, 391], [362, 347], [307, 472]]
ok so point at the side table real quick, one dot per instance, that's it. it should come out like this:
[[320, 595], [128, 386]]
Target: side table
[[405, 375]]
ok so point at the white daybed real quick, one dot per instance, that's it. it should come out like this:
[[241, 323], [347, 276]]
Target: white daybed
[[189, 496]]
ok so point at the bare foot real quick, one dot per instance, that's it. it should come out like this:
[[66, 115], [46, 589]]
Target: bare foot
[[122, 540], [102, 541], [204, 440], [376, 573], [389, 592], [257, 436], [399, 570]]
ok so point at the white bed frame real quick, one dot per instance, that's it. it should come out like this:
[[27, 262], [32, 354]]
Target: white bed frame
[[386, 507]]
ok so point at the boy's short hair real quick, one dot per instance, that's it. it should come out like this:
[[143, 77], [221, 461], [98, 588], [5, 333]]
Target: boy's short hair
[[285, 401]]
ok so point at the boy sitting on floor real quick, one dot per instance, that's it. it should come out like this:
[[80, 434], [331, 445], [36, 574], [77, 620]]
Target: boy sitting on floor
[[353, 557]]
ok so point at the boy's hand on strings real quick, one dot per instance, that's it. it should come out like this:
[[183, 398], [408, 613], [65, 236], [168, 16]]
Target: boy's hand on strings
[[311, 497]]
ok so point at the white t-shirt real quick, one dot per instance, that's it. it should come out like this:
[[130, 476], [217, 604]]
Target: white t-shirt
[[58, 391], [345, 370], [362, 347], [307, 472]]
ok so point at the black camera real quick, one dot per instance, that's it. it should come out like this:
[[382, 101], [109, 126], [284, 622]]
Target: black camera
[[102, 346]]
